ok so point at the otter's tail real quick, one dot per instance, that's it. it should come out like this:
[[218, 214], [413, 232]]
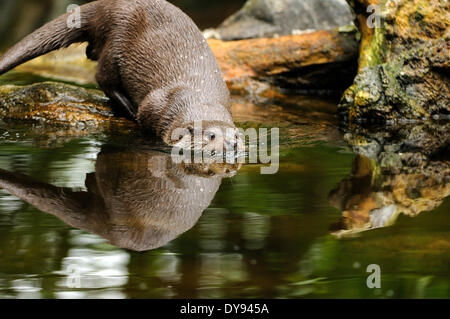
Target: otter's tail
[[59, 33], [64, 203]]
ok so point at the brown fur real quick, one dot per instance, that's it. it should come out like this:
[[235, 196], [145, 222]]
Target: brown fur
[[153, 61]]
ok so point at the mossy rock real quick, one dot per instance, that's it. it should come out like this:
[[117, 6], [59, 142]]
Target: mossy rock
[[403, 64], [57, 104]]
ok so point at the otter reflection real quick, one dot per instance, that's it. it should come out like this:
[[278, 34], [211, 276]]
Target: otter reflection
[[136, 199], [395, 173]]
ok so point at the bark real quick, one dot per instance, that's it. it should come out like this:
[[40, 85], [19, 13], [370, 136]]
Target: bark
[[259, 66]]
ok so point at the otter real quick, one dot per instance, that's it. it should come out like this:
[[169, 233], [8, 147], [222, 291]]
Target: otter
[[153, 63], [137, 199]]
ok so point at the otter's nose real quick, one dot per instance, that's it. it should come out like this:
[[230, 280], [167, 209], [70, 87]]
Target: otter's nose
[[231, 144]]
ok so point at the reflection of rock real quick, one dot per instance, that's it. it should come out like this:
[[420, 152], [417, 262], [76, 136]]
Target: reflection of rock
[[404, 62], [410, 148], [404, 171], [45, 136], [267, 18], [136, 199], [372, 201]]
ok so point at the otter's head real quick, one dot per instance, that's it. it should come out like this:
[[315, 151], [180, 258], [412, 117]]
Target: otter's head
[[150, 199], [213, 138], [189, 118], [211, 169]]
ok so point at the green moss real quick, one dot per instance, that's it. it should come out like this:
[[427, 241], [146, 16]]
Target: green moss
[[375, 52], [56, 103]]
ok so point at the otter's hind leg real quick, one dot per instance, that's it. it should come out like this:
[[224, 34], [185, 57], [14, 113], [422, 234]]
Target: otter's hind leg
[[108, 79], [124, 102]]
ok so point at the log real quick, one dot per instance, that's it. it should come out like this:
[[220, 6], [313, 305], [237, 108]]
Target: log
[[283, 59]]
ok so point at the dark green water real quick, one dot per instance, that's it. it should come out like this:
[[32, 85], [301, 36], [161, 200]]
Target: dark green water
[[265, 236]]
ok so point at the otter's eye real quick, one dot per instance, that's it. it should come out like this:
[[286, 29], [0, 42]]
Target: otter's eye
[[210, 136]]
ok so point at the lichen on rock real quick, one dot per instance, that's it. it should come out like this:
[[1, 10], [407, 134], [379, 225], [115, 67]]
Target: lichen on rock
[[403, 63], [57, 103]]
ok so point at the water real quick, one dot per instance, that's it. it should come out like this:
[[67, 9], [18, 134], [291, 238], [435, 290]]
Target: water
[[265, 236]]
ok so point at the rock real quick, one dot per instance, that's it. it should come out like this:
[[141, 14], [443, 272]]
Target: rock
[[273, 18], [404, 62], [57, 103], [66, 65]]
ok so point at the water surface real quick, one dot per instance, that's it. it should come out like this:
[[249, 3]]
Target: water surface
[[264, 236]]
